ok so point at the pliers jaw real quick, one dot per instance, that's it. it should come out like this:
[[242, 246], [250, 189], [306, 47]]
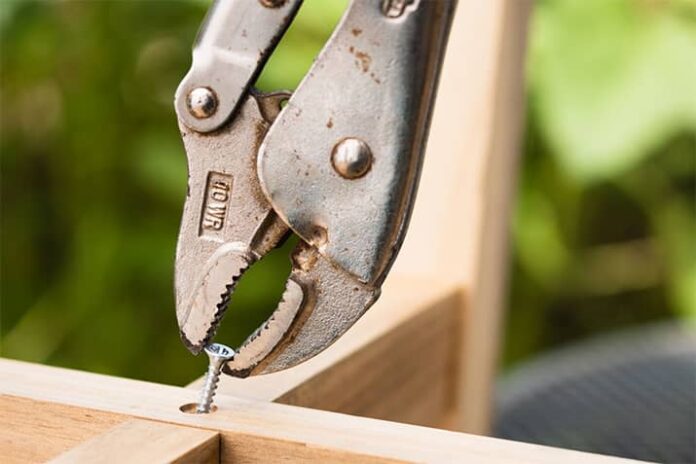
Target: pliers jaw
[[319, 304], [338, 166], [227, 223]]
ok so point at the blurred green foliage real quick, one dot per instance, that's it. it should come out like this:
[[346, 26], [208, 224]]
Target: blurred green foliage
[[605, 228], [94, 176]]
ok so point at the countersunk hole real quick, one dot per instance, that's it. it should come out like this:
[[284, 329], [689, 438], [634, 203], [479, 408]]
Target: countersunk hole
[[190, 408]]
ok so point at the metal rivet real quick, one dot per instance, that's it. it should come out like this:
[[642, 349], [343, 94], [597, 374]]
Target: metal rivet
[[272, 3], [351, 158], [202, 102]]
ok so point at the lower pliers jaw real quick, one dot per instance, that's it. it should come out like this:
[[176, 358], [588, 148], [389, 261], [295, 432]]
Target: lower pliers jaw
[[320, 303], [227, 223]]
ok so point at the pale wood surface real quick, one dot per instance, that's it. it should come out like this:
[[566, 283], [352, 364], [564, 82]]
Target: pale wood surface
[[253, 431], [146, 442], [397, 363], [460, 221], [34, 431]]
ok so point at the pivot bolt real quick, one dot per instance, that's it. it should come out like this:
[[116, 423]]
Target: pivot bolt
[[202, 102], [351, 158], [218, 355]]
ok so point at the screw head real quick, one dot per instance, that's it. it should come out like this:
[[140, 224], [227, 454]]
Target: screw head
[[351, 158], [202, 102], [219, 353]]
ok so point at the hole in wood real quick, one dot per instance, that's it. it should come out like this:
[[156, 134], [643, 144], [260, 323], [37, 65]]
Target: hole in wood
[[190, 408]]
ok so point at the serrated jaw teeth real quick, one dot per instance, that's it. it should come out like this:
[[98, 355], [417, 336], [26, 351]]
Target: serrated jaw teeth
[[211, 296], [270, 334]]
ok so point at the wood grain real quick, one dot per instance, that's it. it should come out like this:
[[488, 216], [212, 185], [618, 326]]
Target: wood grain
[[36, 431], [146, 442], [253, 431], [459, 229]]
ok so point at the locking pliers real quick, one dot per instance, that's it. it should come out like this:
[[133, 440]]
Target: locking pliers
[[336, 163]]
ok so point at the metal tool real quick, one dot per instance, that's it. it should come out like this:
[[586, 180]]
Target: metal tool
[[337, 165]]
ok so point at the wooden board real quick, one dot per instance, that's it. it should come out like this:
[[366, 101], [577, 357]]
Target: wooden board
[[252, 431], [146, 442], [33, 431], [459, 229]]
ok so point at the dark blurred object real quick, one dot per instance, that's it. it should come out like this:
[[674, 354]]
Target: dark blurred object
[[630, 394]]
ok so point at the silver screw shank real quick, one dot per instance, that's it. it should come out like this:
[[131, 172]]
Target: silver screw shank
[[218, 355]]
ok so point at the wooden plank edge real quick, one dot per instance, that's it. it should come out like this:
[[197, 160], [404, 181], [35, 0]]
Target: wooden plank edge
[[483, 325], [253, 431], [140, 441]]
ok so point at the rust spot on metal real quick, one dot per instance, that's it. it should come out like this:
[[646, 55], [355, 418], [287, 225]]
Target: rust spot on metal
[[304, 258], [363, 60], [259, 132]]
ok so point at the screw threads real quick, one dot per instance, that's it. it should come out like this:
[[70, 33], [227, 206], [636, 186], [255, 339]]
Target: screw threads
[[212, 377]]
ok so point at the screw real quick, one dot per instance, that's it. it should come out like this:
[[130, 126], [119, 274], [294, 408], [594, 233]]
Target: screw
[[217, 354], [351, 158], [202, 102]]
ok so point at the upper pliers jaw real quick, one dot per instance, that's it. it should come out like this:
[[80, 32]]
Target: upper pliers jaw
[[338, 166], [227, 223]]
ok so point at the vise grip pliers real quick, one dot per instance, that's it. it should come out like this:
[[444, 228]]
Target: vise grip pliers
[[336, 162]]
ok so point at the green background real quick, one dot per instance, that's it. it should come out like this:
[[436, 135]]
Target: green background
[[94, 176]]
